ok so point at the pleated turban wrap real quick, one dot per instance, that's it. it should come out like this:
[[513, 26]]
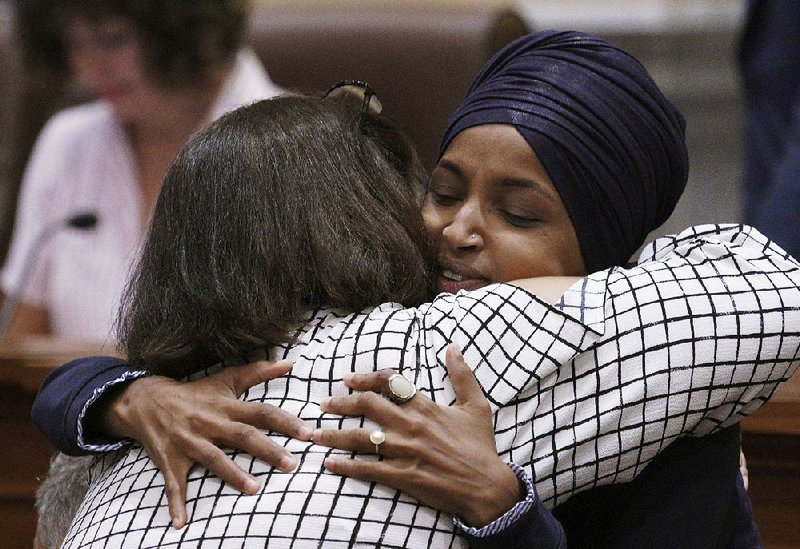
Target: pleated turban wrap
[[612, 144]]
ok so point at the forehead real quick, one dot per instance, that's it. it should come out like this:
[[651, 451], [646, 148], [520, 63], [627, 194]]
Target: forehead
[[498, 137], [497, 154]]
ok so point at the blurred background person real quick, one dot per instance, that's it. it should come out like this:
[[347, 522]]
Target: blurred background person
[[157, 70], [769, 58]]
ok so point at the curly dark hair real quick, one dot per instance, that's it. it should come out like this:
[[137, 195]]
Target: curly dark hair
[[185, 41], [277, 208]]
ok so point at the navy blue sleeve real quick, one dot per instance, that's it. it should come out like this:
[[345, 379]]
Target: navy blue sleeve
[[536, 528], [528, 524], [66, 395], [746, 535]]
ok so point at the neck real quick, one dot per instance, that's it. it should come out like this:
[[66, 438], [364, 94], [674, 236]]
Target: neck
[[180, 112]]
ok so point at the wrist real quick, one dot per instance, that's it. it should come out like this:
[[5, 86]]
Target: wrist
[[113, 415], [503, 491]]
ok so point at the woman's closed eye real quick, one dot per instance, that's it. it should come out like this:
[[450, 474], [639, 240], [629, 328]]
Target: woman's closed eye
[[443, 198], [518, 219]]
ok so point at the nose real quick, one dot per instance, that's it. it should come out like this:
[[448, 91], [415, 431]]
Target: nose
[[466, 230], [91, 63], [89, 67]]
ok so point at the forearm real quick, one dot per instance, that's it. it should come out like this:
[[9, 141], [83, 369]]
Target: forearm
[[536, 528], [527, 524], [692, 341], [65, 399], [726, 311]]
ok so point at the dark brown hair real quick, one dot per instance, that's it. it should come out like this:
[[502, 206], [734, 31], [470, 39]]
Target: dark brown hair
[[185, 41], [277, 208]]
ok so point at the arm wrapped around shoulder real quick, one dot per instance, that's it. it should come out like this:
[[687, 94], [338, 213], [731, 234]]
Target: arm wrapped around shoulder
[[696, 336], [731, 302]]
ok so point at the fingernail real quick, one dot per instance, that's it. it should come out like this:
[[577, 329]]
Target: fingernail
[[330, 462], [323, 404], [316, 436], [287, 464], [251, 486], [348, 377]]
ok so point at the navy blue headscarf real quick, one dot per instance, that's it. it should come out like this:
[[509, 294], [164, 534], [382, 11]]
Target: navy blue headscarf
[[610, 141]]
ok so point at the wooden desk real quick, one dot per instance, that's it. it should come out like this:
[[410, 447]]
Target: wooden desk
[[24, 452], [779, 416], [771, 443], [25, 362]]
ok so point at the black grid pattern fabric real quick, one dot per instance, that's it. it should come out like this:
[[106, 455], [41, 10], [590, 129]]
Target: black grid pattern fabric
[[696, 336]]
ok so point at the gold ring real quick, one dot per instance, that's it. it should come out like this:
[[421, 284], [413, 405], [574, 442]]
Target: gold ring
[[399, 389]]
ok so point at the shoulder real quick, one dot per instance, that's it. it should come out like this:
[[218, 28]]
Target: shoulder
[[705, 242], [498, 311], [492, 299], [735, 257], [78, 149], [469, 310], [71, 143], [75, 125], [247, 82], [249, 70]]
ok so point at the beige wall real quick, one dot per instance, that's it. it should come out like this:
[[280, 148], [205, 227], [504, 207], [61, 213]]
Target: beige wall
[[399, 3]]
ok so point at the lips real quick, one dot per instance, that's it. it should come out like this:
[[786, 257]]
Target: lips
[[111, 93], [454, 275]]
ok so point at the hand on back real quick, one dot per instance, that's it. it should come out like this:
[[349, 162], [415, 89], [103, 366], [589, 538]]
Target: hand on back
[[181, 424], [444, 456]]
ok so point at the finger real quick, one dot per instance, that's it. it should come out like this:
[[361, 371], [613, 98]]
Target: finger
[[367, 404], [266, 416], [353, 440], [357, 440], [254, 442], [216, 461], [175, 488], [369, 471], [373, 381], [241, 378], [463, 379]]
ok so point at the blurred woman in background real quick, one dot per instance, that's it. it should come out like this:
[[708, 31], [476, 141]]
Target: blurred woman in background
[[158, 71]]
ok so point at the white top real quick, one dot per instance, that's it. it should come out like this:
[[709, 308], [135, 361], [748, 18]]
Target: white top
[[83, 162], [585, 392]]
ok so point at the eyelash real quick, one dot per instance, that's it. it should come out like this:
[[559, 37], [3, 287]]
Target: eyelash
[[518, 220], [443, 199]]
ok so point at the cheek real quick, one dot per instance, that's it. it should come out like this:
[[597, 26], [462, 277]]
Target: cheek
[[511, 254], [518, 256], [571, 259], [131, 64], [81, 64]]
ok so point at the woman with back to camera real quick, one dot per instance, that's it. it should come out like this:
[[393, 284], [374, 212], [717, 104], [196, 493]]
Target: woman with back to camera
[[601, 50], [158, 70]]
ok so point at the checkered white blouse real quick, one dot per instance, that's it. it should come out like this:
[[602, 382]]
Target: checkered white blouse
[[696, 336]]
